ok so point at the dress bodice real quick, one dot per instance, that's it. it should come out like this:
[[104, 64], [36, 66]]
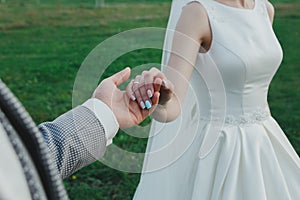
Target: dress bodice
[[230, 82], [246, 54]]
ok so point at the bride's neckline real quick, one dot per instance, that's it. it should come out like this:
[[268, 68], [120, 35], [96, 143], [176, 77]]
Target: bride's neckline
[[235, 8]]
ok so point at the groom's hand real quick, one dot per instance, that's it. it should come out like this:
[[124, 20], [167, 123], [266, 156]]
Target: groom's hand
[[128, 113]]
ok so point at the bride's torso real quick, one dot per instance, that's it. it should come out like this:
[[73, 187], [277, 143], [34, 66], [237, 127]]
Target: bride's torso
[[229, 84], [242, 59]]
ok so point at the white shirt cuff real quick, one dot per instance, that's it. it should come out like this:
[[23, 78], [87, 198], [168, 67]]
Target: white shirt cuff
[[105, 116]]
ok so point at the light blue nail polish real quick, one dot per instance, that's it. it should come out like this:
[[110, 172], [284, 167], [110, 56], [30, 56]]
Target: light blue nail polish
[[148, 104]]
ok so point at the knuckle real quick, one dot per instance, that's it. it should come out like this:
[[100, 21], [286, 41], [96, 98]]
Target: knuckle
[[154, 69], [138, 77], [144, 73], [161, 74], [147, 76]]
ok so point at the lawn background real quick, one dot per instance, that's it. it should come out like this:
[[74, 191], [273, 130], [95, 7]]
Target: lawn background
[[43, 45]]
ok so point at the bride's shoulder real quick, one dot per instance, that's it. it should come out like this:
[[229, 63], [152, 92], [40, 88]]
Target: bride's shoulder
[[195, 12], [271, 10], [195, 6], [194, 17]]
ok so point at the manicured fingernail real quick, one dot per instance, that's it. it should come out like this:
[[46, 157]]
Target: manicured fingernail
[[142, 105], [132, 98], [149, 93], [148, 104], [164, 82]]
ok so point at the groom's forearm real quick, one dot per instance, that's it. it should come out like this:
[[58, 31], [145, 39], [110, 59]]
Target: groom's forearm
[[80, 136], [75, 139]]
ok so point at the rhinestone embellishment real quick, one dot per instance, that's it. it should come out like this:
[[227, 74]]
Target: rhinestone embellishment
[[249, 118], [255, 117]]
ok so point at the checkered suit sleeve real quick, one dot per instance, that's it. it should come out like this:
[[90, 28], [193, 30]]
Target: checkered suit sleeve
[[75, 139]]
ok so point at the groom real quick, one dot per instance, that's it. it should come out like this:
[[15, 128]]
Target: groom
[[74, 140]]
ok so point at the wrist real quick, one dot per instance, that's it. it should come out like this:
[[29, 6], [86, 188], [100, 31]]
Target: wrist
[[166, 99]]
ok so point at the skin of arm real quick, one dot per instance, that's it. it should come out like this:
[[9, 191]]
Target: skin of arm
[[271, 11], [192, 31]]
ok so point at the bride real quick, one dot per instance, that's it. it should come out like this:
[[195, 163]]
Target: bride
[[221, 141]]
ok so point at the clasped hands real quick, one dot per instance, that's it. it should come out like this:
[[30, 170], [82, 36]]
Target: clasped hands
[[143, 94]]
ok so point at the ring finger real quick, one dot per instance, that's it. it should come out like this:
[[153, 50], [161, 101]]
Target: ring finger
[[136, 91], [143, 92]]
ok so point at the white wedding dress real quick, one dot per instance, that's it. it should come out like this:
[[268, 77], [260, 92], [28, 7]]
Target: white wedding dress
[[225, 144]]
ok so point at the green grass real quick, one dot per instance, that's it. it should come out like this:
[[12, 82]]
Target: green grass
[[42, 47]]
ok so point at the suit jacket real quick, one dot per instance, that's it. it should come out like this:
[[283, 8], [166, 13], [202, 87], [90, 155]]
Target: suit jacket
[[75, 139]]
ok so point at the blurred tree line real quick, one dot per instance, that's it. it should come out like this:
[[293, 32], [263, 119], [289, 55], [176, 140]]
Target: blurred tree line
[[96, 3]]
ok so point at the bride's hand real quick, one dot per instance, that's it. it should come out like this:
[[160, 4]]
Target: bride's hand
[[144, 86]]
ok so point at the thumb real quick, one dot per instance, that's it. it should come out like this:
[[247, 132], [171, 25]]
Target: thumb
[[121, 76]]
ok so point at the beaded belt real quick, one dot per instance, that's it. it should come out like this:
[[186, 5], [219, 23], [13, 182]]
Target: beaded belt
[[255, 117]]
